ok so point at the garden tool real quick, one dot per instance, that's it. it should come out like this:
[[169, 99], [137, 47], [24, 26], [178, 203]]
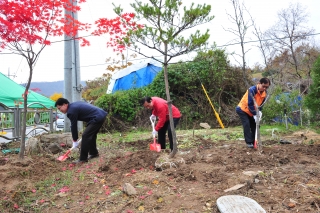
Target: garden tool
[[66, 155], [255, 144], [154, 146]]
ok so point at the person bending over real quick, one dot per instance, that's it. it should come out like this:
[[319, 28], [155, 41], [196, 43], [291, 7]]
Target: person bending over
[[247, 110], [94, 118], [160, 109]]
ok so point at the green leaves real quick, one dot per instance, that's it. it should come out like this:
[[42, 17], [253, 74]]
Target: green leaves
[[166, 21], [198, 15], [210, 67], [312, 100], [122, 104]]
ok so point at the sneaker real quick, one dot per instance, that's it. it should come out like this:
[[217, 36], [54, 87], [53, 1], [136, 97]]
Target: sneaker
[[79, 162], [93, 156], [250, 145]]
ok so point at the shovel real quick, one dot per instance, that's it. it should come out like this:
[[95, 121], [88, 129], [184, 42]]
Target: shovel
[[255, 144], [154, 146], [66, 155]]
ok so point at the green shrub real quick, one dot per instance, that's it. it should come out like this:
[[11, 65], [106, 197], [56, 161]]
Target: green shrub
[[312, 100], [280, 104], [210, 69], [122, 104]]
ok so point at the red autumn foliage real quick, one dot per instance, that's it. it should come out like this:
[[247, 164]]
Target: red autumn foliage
[[64, 189], [35, 21], [118, 29], [26, 27]]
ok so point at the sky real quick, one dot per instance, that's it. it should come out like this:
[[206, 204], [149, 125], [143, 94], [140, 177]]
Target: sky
[[50, 66]]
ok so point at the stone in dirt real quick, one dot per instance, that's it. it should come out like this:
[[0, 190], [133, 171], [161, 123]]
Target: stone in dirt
[[129, 189], [251, 173], [236, 187], [237, 203], [205, 125], [51, 143], [164, 161]]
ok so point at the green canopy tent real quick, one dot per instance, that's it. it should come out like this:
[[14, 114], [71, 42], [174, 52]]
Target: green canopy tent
[[11, 93]]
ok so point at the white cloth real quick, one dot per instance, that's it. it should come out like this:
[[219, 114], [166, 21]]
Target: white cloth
[[153, 117], [75, 144], [260, 116]]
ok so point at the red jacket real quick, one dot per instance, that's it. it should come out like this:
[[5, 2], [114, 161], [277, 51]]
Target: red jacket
[[161, 110]]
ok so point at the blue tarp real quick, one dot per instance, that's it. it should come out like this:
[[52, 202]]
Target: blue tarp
[[293, 109], [135, 76], [137, 79]]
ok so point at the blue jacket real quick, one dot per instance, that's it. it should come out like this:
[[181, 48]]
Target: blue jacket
[[82, 111]]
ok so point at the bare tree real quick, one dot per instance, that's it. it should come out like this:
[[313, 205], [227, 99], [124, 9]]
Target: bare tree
[[289, 33], [240, 32], [242, 26], [264, 45]]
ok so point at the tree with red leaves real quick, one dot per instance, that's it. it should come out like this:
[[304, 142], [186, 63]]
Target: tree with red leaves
[[26, 27], [118, 30]]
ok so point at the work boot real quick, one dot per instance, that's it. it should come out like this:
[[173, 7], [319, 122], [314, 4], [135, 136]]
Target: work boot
[[250, 145], [79, 162], [93, 156]]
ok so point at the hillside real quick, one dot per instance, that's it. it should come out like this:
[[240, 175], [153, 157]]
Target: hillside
[[49, 88]]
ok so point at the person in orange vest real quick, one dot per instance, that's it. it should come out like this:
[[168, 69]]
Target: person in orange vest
[[160, 109], [247, 110]]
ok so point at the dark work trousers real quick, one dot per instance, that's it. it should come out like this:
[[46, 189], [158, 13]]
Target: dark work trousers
[[249, 126], [89, 140], [162, 133]]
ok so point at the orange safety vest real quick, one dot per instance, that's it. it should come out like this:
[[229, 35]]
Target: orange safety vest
[[247, 105]]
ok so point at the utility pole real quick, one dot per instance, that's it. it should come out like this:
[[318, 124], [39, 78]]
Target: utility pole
[[72, 89], [76, 80], [67, 72]]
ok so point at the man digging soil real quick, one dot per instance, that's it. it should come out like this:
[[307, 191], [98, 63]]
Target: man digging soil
[[248, 112], [94, 118], [160, 109]]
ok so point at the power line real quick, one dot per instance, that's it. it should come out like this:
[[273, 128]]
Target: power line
[[269, 39], [137, 59], [225, 45]]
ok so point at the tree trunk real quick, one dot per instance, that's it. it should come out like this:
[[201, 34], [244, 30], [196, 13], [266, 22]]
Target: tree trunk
[[174, 138], [24, 118]]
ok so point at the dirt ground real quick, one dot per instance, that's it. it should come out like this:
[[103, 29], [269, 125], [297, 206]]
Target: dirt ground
[[281, 177]]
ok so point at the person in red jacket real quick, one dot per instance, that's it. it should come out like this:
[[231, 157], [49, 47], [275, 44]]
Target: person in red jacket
[[160, 109]]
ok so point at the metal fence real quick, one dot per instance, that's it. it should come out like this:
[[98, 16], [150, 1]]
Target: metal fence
[[38, 118]]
